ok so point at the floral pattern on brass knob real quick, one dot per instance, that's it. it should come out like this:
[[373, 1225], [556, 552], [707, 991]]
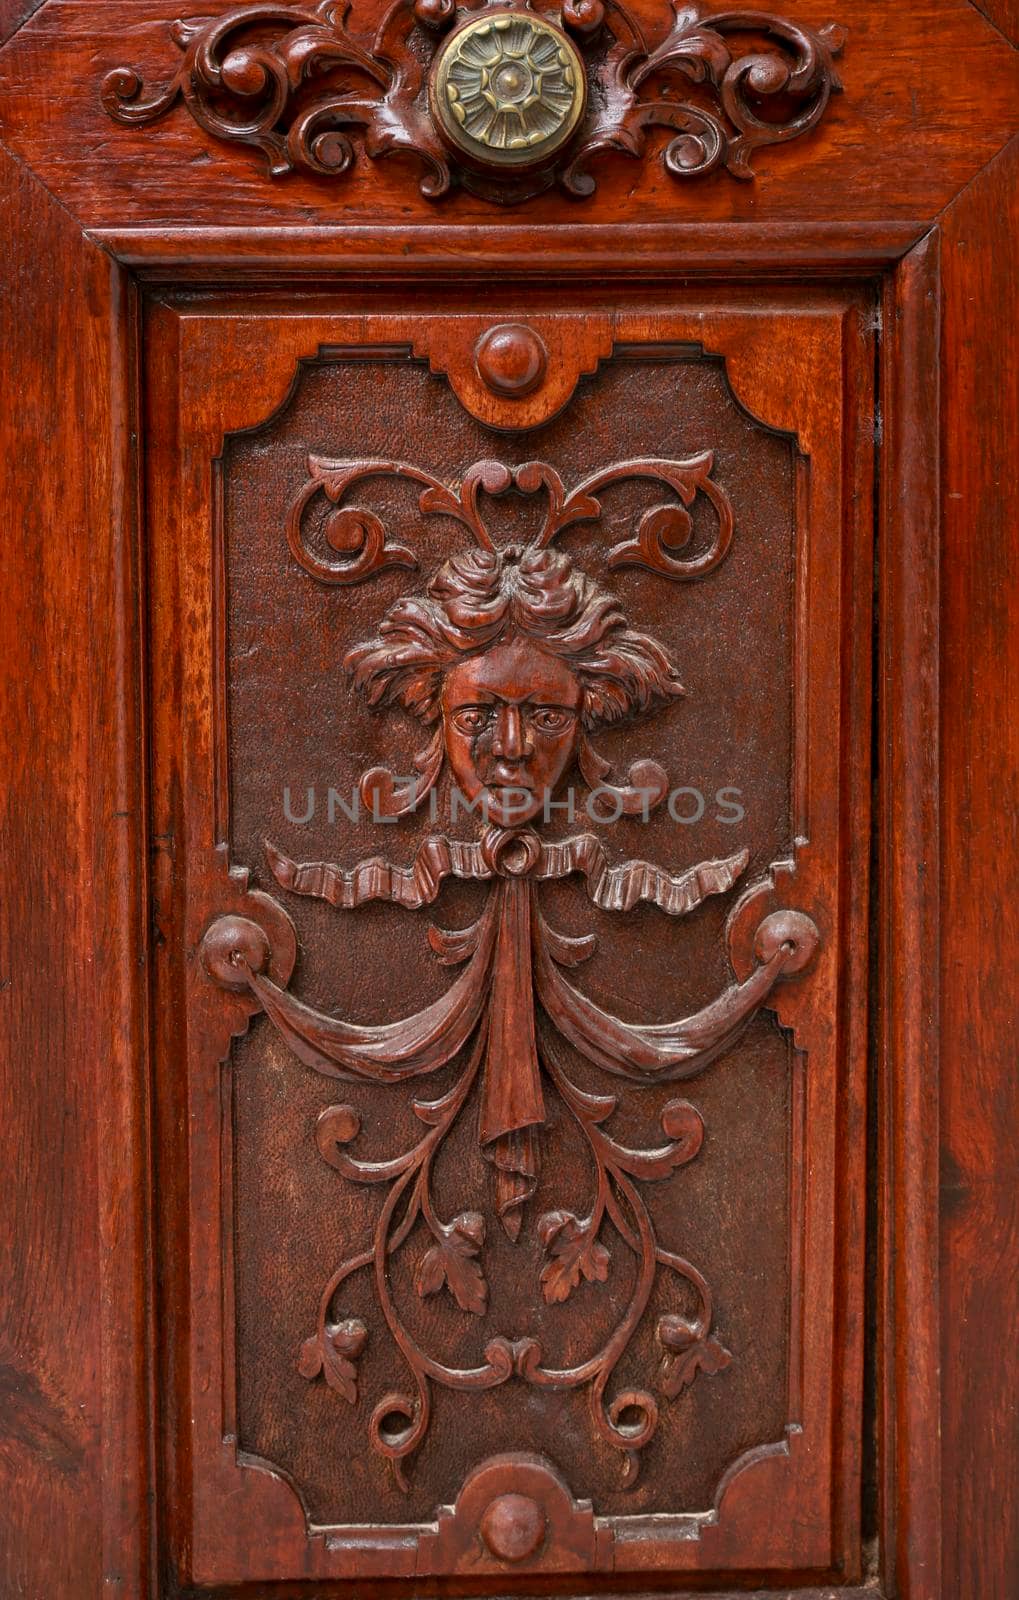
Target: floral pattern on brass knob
[[509, 90]]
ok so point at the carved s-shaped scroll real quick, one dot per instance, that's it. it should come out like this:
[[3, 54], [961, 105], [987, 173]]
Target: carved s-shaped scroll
[[359, 537]]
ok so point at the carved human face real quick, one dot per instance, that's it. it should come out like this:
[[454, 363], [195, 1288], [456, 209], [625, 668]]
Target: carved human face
[[510, 718]]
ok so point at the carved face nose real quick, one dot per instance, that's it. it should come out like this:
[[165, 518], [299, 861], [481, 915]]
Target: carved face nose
[[511, 739]]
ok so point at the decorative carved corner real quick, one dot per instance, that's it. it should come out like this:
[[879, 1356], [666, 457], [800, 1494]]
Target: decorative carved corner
[[515, 375], [505, 102], [515, 1511], [750, 1490]]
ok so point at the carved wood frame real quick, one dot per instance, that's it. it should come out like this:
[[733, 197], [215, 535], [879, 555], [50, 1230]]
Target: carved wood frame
[[817, 331], [79, 1016]]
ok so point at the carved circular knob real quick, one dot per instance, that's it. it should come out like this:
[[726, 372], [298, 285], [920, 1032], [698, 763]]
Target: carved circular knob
[[789, 929], [510, 852], [513, 1527], [508, 90], [511, 359], [230, 945]]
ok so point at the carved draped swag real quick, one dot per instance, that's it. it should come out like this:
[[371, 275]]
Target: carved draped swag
[[513, 959]]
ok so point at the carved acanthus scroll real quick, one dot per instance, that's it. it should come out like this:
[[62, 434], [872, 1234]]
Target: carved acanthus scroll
[[358, 536], [511, 117]]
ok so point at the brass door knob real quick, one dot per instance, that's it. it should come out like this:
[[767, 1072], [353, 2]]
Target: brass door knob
[[508, 90]]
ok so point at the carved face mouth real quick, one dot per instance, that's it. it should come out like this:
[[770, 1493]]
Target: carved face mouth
[[510, 720]]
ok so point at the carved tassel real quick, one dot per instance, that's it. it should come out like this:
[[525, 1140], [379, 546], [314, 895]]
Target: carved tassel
[[512, 1107], [516, 1158]]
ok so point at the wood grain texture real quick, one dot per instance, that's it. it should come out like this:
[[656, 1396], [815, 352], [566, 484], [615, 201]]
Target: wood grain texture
[[70, 1346], [551, 1589], [907, 993], [13, 14], [980, 884], [928, 100], [760, 250], [1004, 14]]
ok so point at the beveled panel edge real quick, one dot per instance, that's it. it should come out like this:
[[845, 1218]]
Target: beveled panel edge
[[454, 252]]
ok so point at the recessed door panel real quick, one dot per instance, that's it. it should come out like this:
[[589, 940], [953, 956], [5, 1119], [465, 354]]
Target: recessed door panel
[[511, 754]]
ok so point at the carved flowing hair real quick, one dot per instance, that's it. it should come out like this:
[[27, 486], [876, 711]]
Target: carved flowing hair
[[483, 596]]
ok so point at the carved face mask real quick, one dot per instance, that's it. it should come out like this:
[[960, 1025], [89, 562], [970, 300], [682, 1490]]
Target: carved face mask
[[511, 719]]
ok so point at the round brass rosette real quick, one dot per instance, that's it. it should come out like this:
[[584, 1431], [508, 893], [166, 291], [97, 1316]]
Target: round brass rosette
[[508, 90]]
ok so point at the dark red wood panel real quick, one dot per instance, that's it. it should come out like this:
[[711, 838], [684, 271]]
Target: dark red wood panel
[[71, 1312], [278, 617], [979, 939], [92, 1381], [297, 733], [905, 991]]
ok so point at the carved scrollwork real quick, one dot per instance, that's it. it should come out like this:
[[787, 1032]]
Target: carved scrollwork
[[359, 537], [507, 123], [727, 134]]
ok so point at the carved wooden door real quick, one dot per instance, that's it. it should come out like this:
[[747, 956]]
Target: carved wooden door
[[521, 1165]]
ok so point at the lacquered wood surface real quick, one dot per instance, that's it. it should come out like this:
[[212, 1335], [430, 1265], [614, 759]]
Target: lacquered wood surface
[[72, 1344], [931, 102], [979, 1232], [908, 157]]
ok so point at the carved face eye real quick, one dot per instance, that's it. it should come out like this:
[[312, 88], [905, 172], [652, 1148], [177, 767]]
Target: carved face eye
[[552, 719], [471, 719]]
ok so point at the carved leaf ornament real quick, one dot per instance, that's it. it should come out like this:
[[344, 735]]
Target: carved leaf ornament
[[511, 658], [504, 100]]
